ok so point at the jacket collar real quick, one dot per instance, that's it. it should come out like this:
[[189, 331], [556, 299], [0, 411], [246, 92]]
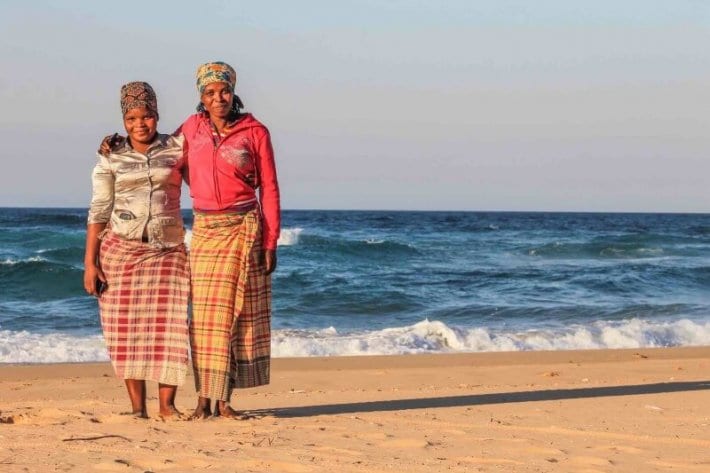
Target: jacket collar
[[160, 141], [246, 120]]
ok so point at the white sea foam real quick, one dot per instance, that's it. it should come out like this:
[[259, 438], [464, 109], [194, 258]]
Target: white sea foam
[[12, 262], [26, 347], [423, 337], [289, 236], [437, 337]]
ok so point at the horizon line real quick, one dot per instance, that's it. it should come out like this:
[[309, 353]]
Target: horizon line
[[664, 212]]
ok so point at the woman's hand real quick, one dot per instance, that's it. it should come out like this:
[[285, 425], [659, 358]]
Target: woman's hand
[[93, 274], [108, 143], [269, 261]]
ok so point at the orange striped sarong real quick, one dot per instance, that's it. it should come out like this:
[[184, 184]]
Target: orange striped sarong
[[230, 330], [144, 309]]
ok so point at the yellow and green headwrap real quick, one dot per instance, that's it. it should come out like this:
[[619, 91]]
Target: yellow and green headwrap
[[215, 72]]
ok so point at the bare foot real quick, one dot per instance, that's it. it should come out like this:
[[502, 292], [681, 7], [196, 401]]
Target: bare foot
[[223, 409], [136, 414], [202, 411], [170, 413]]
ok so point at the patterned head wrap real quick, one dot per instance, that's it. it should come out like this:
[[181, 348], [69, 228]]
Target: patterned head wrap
[[138, 94], [215, 72]]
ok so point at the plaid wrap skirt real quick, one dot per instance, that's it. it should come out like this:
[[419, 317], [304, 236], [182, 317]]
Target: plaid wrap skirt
[[144, 309], [230, 329]]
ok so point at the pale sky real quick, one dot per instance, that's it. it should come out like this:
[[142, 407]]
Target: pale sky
[[553, 105]]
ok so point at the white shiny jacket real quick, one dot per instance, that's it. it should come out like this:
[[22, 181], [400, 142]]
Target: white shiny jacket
[[138, 195]]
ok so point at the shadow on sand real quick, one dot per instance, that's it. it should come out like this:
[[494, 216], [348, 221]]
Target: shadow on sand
[[481, 399]]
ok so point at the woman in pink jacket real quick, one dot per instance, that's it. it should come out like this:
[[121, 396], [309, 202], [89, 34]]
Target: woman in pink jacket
[[233, 246]]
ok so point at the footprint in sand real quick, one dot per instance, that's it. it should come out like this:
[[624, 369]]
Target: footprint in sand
[[7, 419], [680, 466], [487, 461], [285, 467], [591, 461], [45, 416], [405, 443], [118, 464], [621, 448], [545, 451], [336, 452]]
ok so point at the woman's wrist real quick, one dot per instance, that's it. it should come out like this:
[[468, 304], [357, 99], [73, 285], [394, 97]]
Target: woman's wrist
[[90, 263]]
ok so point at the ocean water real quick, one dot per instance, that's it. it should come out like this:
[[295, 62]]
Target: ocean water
[[381, 282]]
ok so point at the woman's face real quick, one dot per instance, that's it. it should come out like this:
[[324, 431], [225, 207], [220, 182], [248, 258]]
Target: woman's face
[[141, 124], [217, 99]]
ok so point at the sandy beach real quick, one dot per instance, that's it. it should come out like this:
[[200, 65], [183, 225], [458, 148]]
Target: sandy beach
[[640, 410]]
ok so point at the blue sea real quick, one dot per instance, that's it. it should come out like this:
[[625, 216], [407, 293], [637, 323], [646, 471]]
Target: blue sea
[[388, 282]]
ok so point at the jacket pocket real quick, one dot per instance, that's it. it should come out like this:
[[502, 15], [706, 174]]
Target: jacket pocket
[[126, 224]]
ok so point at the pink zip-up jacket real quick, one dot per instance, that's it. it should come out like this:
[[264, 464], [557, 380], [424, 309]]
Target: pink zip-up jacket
[[226, 175]]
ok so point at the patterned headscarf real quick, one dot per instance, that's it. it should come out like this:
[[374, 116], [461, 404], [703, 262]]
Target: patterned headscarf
[[138, 94], [215, 72]]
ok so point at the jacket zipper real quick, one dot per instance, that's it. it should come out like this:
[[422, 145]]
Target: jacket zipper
[[215, 178]]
